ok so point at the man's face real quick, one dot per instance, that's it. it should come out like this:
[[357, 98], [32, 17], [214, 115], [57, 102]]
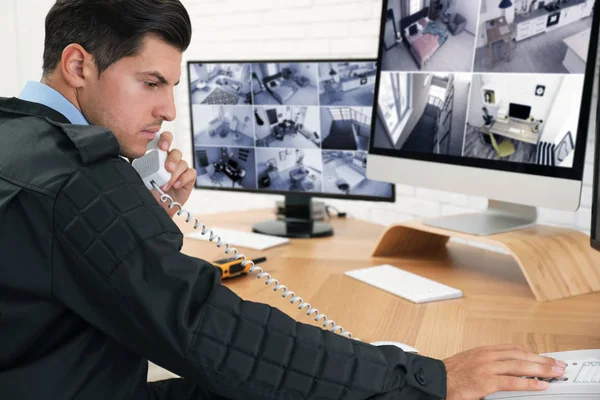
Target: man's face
[[135, 95]]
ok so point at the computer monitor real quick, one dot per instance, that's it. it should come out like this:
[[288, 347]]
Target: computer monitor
[[519, 111], [595, 225], [451, 82], [295, 128]]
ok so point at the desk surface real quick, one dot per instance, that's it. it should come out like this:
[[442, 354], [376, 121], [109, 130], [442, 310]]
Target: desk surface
[[494, 34], [503, 129], [497, 307]]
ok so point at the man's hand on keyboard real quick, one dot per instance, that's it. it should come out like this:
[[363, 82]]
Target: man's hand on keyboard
[[485, 370]]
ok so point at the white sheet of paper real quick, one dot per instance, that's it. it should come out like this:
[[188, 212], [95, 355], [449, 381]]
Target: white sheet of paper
[[235, 238]]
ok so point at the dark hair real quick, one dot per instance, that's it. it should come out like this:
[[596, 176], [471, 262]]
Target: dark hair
[[113, 29]]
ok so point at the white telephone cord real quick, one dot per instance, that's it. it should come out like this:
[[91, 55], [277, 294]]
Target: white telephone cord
[[286, 293]]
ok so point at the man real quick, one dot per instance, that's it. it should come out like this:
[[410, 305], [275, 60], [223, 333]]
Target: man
[[92, 280]]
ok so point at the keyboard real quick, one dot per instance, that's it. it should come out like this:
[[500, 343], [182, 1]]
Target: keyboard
[[235, 238], [581, 380], [409, 286], [514, 130]]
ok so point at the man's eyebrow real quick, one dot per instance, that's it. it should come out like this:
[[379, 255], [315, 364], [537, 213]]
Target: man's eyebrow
[[159, 76]]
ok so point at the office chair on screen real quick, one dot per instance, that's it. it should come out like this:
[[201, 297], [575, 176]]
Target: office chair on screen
[[504, 149]]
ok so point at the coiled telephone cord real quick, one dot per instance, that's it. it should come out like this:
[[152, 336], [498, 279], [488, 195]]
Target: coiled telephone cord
[[327, 323]]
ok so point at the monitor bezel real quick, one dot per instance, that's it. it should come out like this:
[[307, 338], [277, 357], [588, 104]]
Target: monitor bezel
[[322, 195], [574, 173]]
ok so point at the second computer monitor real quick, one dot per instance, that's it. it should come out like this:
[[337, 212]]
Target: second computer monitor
[[465, 104], [297, 128], [519, 111], [285, 127]]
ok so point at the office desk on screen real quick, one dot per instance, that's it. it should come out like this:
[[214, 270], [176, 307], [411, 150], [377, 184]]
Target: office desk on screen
[[498, 29], [498, 305], [508, 129]]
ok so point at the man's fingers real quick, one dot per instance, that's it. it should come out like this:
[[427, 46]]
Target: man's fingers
[[176, 175], [511, 384], [526, 356], [187, 179], [173, 160], [166, 138], [182, 167], [526, 368]]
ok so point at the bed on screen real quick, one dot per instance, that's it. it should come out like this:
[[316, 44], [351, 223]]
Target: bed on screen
[[280, 88], [422, 36]]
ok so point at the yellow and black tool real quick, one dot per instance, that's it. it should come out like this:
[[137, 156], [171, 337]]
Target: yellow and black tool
[[230, 267]]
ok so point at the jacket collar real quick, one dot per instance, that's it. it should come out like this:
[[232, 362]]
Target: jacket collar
[[17, 106], [93, 142]]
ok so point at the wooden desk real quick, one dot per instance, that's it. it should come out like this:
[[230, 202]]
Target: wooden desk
[[526, 135], [494, 34], [498, 305]]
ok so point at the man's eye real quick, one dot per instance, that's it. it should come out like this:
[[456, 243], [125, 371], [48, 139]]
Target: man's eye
[[151, 84]]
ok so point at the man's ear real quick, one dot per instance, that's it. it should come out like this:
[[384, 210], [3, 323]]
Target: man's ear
[[77, 65]]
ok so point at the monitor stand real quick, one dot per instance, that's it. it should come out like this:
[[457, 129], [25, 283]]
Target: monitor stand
[[298, 221], [556, 262], [500, 217]]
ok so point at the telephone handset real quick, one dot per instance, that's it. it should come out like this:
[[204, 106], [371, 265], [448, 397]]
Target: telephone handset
[[151, 168], [581, 379]]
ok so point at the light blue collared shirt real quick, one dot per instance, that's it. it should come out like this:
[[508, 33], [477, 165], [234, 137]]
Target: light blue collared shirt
[[37, 92]]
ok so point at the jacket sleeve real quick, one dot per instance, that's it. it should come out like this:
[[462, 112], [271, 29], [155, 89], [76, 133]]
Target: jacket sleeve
[[118, 264]]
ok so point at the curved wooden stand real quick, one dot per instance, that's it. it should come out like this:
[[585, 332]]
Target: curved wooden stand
[[556, 262]]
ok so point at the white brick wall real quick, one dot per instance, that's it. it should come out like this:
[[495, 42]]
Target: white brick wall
[[261, 29]]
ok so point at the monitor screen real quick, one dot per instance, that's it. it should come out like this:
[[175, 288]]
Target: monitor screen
[[472, 84], [285, 127], [233, 163], [519, 111]]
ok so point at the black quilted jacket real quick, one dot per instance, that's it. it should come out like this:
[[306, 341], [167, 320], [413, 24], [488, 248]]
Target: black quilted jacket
[[93, 284]]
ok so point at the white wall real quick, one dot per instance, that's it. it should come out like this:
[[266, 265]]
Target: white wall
[[312, 121], [258, 29], [288, 162], [312, 158], [564, 115], [309, 71], [468, 9], [12, 77], [520, 89]]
